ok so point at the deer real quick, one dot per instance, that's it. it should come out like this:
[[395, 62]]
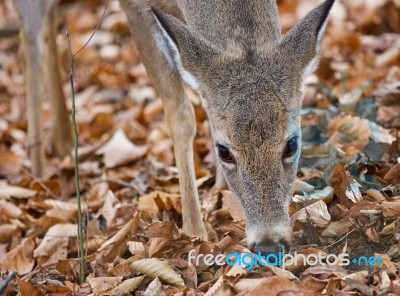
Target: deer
[[38, 33], [249, 79]]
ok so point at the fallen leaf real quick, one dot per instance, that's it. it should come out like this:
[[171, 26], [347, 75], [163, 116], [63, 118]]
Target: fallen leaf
[[117, 244], [316, 212], [9, 210], [391, 209], [166, 229], [7, 232], [56, 240], [393, 175], [20, 258], [102, 284], [380, 134], [26, 289], [337, 228], [230, 202], [348, 131], [119, 150], [325, 194], [155, 288], [301, 186], [126, 287], [220, 288], [155, 267], [8, 191], [136, 248], [10, 163], [275, 285]]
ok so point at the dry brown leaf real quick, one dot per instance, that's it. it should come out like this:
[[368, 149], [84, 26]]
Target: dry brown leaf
[[155, 288], [9, 210], [126, 287], [166, 229], [10, 163], [108, 209], [301, 186], [390, 228], [325, 194], [387, 264], [20, 258], [391, 209], [102, 284], [393, 175], [275, 285], [26, 289], [348, 131], [281, 272], [8, 191], [339, 183], [119, 150], [7, 231], [337, 228], [56, 240], [95, 197], [136, 248], [316, 212], [67, 211], [376, 195], [353, 189], [117, 244], [230, 202], [236, 271], [372, 234], [155, 267], [319, 270], [380, 134], [244, 286], [357, 276], [220, 288]]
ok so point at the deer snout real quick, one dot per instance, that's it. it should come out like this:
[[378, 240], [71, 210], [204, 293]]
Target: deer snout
[[268, 247], [274, 239]]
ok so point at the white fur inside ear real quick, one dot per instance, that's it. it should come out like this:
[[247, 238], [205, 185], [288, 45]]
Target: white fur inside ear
[[171, 52], [188, 78], [314, 62], [311, 67]]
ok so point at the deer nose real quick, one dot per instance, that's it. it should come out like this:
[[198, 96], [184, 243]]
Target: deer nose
[[267, 247]]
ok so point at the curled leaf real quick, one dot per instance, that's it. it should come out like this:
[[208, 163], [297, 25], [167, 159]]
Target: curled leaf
[[154, 267]]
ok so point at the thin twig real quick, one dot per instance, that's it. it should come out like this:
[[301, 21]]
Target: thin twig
[[345, 236], [94, 32], [40, 182], [76, 166], [118, 182], [76, 160]]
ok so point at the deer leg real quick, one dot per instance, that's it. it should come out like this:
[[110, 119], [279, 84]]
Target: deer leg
[[61, 133], [34, 91], [181, 121], [179, 113]]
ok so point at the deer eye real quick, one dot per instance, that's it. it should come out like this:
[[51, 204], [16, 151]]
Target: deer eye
[[225, 154], [291, 147]]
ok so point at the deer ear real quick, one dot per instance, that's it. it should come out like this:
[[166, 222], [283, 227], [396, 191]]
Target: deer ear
[[303, 42], [186, 50]]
